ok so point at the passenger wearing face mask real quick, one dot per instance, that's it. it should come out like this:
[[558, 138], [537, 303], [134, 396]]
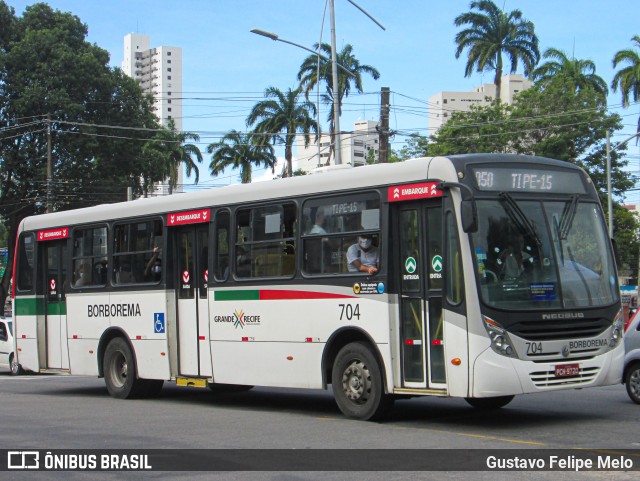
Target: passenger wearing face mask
[[363, 256], [154, 266]]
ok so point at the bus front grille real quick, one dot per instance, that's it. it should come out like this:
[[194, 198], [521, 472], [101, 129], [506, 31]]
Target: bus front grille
[[544, 379], [559, 329]]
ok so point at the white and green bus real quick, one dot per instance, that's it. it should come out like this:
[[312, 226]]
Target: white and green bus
[[494, 276]]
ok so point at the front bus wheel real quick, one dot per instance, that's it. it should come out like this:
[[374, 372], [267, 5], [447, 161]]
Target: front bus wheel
[[489, 403], [120, 374], [358, 389]]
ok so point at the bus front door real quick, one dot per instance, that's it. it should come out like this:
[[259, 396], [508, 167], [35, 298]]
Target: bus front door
[[419, 253], [53, 345], [194, 351]]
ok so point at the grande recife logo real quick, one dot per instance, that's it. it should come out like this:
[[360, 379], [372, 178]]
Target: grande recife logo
[[239, 319], [422, 190], [189, 217]]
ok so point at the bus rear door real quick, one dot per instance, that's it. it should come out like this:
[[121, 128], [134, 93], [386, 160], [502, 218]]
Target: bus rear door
[[53, 346]]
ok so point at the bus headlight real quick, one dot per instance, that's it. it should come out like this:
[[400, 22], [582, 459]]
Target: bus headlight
[[500, 341], [616, 330]]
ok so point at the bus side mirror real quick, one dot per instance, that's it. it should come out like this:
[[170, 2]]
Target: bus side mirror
[[469, 216]]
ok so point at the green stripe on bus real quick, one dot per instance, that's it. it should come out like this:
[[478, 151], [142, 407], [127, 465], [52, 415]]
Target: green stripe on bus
[[35, 306], [249, 295]]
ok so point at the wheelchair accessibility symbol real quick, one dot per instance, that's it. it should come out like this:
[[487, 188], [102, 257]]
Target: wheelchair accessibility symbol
[[158, 322]]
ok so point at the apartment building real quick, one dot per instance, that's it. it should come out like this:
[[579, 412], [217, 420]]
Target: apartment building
[[159, 72], [443, 104]]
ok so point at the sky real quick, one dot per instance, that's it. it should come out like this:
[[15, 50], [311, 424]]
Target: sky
[[226, 68]]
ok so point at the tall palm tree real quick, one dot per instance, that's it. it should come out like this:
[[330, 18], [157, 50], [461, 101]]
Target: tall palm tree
[[628, 78], [309, 78], [581, 73], [281, 117], [240, 151], [492, 32], [182, 152]]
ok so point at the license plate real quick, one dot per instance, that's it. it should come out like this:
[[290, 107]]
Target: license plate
[[567, 370]]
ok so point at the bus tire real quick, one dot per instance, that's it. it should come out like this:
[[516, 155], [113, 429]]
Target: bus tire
[[489, 403], [357, 383], [16, 368], [632, 382], [120, 374]]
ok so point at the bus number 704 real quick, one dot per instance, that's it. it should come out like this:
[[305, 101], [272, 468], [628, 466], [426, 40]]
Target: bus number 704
[[349, 312]]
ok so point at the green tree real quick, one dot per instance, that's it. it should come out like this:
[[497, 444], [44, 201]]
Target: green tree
[[310, 76], [49, 70], [580, 73], [179, 152], [240, 151], [281, 117], [627, 79], [491, 32]]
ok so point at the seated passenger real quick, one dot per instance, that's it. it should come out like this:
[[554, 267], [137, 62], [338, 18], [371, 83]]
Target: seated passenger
[[363, 256]]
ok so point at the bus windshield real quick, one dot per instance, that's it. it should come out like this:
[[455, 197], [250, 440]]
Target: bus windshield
[[543, 254]]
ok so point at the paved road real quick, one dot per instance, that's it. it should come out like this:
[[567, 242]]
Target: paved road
[[56, 412]]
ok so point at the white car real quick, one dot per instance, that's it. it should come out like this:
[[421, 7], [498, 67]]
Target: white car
[[7, 354], [631, 376]]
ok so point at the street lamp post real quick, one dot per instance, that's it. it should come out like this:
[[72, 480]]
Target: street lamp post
[[336, 90]]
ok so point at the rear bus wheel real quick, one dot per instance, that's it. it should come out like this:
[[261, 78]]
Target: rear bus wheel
[[120, 373], [357, 383]]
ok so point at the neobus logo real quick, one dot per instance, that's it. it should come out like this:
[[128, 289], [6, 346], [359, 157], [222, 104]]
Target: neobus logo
[[239, 319], [564, 315]]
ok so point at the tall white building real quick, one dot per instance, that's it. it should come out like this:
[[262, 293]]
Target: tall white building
[[355, 147], [443, 104], [159, 72]]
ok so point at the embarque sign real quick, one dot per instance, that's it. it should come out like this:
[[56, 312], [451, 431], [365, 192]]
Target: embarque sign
[[423, 190]]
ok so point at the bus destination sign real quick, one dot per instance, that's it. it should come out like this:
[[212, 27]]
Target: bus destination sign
[[189, 217], [423, 190], [528, 180], [53, 234]]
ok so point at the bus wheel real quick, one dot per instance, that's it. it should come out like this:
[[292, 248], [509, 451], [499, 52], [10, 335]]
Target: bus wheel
[[489, 403], [632, 381], [120, 371], [357, 383], [16, 368]]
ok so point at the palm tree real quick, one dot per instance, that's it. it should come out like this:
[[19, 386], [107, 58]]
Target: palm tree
[[492, 32], [580, 73], [281, 117], [240, 151], [309, 78], [182, 153], [628, 78]]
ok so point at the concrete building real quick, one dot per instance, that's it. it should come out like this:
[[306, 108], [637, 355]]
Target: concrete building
[[159, 72], [355, 147], [443, 104]]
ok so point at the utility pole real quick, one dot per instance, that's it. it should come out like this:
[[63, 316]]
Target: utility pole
[[383, 129], [49, 167]]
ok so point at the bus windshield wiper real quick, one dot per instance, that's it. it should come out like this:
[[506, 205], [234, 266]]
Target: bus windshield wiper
[[518, 217], [568, 214]]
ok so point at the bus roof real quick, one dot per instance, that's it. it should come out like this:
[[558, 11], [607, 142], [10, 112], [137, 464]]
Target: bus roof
[[414, 170]]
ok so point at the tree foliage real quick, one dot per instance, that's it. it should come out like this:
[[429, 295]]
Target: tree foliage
[[51, 78], [241, 151], [490, 33], [281, 116]]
